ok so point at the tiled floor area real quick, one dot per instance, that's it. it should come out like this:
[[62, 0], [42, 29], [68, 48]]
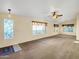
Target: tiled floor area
[[57, 47]]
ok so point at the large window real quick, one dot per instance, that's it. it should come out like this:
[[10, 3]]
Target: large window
[[38, 27], [8, 29], [68, 28]]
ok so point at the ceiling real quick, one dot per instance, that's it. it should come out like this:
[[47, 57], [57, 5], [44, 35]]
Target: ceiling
[[40, 9]]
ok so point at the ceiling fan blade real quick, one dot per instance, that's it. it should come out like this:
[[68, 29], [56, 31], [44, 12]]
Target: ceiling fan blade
[[54, 13], [60, 15]]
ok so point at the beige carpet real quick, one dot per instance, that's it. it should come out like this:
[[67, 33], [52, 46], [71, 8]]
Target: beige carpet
[[57, 47]]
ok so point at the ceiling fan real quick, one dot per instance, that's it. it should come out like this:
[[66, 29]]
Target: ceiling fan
[[56, 15]]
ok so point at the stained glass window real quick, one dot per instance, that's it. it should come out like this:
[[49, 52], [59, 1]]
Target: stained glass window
[[8, 29]]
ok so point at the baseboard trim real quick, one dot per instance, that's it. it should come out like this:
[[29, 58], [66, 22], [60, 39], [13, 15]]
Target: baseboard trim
[[77, 41]]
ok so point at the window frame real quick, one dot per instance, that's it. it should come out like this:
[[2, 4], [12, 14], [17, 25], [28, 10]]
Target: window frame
[[68, 27], [9, 29], [38, 24]]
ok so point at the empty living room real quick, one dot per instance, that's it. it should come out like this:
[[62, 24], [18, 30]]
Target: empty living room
[[39, 29]]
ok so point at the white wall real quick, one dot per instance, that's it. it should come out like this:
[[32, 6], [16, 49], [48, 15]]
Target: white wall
[[23, 30], [77, 30]]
